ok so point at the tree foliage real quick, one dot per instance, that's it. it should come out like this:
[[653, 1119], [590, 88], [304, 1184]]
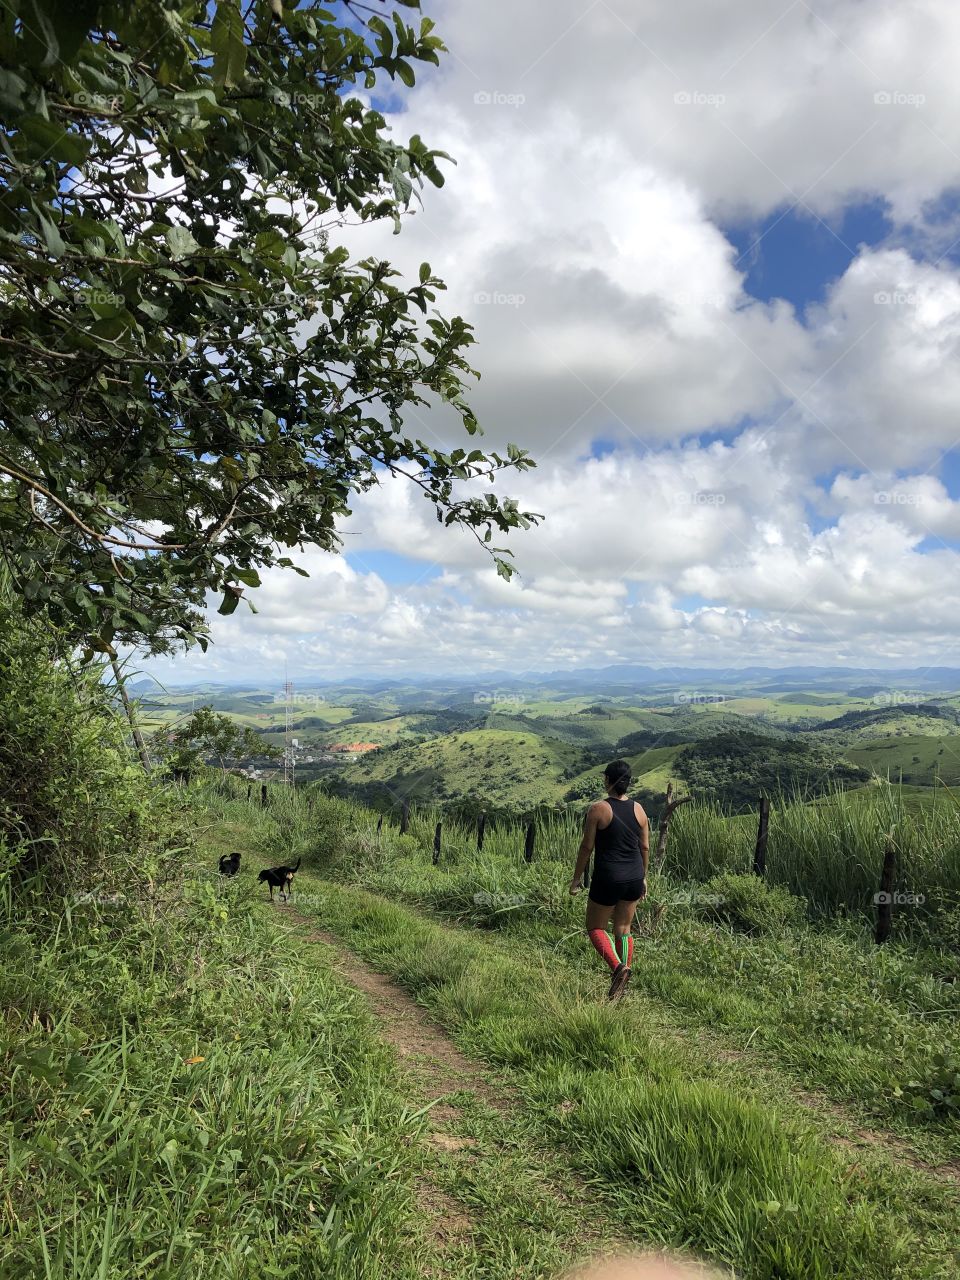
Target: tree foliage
[[733, 769], [209, 733], [196, 376]]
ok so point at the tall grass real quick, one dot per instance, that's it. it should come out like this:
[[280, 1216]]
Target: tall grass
[[828, 853]]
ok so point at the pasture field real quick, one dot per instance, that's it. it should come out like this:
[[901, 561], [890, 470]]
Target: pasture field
[[916, 760], [764, 1060], [481, 742]]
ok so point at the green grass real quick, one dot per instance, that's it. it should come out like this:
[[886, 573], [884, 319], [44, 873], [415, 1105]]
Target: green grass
[[914, 758], [862, 1023], [496, 764], [688, 1160], [281, 1152]]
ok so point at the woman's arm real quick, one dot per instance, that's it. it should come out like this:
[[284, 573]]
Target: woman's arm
[[586, 845], [644, 841]]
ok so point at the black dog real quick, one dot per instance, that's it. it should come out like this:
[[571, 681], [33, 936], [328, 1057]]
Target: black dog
[[230, 864], [279, 878]]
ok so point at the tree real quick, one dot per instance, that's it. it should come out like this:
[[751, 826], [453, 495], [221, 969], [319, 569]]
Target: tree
[[208, 733], [196, 377]]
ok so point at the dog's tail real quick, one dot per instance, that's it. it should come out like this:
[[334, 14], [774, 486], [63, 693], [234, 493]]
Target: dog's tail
[[297, 867]]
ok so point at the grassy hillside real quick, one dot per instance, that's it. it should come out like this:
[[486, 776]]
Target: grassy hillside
[[915, 759], [509, 769]]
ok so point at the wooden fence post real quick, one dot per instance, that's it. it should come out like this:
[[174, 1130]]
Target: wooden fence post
[[481, 828], [249, 790], [884, 899], [379, 825], [404, 817], [669, 808], [436, 843], [760, 852], [529, 842], [263, 795]]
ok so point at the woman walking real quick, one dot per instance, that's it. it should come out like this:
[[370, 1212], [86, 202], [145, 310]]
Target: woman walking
[[618, 828]]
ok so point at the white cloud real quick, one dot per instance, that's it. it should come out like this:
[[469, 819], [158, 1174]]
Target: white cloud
[[580, 234]]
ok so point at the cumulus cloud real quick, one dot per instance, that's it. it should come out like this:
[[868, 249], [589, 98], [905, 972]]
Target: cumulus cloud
[[683, 429]]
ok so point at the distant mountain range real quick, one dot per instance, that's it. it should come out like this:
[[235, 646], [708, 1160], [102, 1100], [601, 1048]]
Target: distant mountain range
[[866, 680]]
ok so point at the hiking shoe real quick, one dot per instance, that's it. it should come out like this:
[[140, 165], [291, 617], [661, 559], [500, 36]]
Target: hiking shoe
[[618, 983]]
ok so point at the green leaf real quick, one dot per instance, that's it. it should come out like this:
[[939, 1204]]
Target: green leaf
[[180, 241], [228, 44], [405, 72], [51, 236]]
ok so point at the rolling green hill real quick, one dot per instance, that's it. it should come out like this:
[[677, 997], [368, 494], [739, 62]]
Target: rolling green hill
[[917, 759], [506, 769]]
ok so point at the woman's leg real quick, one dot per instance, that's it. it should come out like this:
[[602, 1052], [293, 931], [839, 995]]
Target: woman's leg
[[598, 920], [623, 913]]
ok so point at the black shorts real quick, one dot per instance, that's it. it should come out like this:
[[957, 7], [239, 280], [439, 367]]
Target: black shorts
[[607, 892]]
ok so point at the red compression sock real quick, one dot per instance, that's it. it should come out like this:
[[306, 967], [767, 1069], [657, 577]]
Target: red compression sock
[[604, 944]]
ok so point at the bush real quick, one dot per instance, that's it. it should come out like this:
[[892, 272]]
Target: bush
[[749, 904], [73, 804]]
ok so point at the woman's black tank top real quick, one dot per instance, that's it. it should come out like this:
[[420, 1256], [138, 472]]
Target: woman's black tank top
[[618, 846]]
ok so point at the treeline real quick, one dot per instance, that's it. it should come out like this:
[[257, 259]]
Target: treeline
[[731, 769]]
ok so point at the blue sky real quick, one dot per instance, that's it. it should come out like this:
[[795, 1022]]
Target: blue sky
[[712, 269]]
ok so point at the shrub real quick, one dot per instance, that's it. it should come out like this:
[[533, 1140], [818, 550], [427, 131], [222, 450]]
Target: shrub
[[73, 804], [748, 903]]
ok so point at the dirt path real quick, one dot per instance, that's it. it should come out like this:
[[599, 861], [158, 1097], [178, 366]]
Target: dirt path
[[438, 1073], [418, 1040]]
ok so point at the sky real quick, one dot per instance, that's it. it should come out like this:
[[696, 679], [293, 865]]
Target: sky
[[711, 252]]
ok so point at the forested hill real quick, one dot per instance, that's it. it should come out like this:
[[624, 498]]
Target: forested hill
[[732, 769]]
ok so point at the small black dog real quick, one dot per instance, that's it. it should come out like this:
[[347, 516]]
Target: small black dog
[[279, 878], [230, 864]]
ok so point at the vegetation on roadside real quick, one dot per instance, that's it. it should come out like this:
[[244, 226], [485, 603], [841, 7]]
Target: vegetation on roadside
[[185, 1093]]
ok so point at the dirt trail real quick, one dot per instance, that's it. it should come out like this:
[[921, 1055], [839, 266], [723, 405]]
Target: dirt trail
[[441, 1069], [437, 1070]]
